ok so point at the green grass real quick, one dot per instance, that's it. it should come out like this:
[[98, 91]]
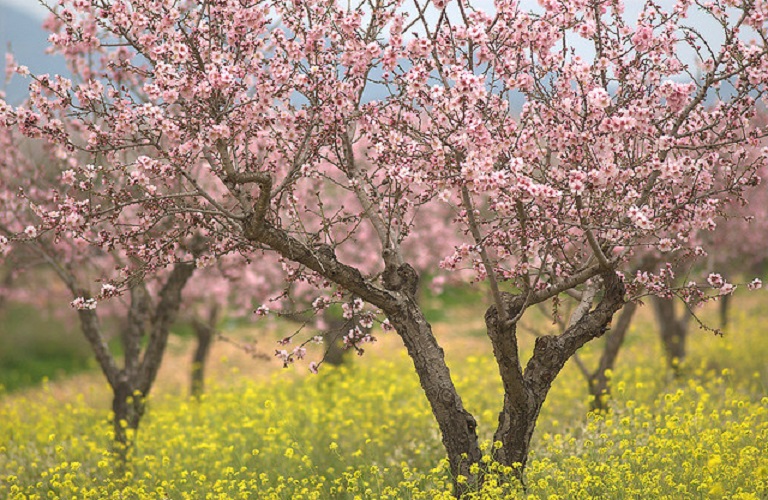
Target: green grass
[[438, 306], [34, 347]]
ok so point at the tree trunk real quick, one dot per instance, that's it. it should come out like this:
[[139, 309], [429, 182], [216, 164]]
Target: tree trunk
[[334, 350], [519, 411], [673, 331], [598, 382], [128, 408], [5, 285], [725, 302], [526, 391], [204, 332], [163, 317], [398, 301], [131, 383], [457, 426]]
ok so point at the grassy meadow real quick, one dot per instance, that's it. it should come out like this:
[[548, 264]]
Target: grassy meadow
[[365, 430], [34, 346]]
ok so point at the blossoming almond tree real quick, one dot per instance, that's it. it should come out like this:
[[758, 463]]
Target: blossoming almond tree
[[606, 156], [225, 114], [741, 241], [28, 195]]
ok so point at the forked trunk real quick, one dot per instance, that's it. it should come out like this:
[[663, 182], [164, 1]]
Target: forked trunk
[[457, 426], [526, 391], [132, 383]]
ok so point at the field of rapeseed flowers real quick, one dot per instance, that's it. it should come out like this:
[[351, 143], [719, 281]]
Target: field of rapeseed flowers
[[365, 431]]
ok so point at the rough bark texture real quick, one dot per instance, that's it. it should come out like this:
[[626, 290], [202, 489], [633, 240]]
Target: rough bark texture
[[321, 260], [672, 329], [526, 391], [518, 416], [598, 381], [398, 301], [457, 426], [204, 332]]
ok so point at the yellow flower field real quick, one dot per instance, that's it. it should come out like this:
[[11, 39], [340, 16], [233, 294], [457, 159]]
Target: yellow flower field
[[365, 431]]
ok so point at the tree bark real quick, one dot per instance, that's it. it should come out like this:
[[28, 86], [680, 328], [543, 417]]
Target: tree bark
[[91, 328], [457, 426], [526, 391], [673, 331], [598, 382], [519, 410], [204, 332]]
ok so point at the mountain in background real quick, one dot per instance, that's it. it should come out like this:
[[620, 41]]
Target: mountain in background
[[28, 41]]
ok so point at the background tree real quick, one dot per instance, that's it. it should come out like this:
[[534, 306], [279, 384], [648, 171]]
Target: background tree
[[29, 195], [221, 113]]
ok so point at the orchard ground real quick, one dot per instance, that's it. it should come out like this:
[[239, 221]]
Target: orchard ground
[[365, 430]]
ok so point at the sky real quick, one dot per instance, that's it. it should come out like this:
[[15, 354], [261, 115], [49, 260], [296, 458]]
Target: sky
[[31, 7]]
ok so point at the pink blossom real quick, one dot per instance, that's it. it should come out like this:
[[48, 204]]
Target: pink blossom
[[666, 245], [81, 303], [715, 280], [576, 180], [599, 98], [727, 289], [273, 142], [320, 304], [204, 261], [643, 38]]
